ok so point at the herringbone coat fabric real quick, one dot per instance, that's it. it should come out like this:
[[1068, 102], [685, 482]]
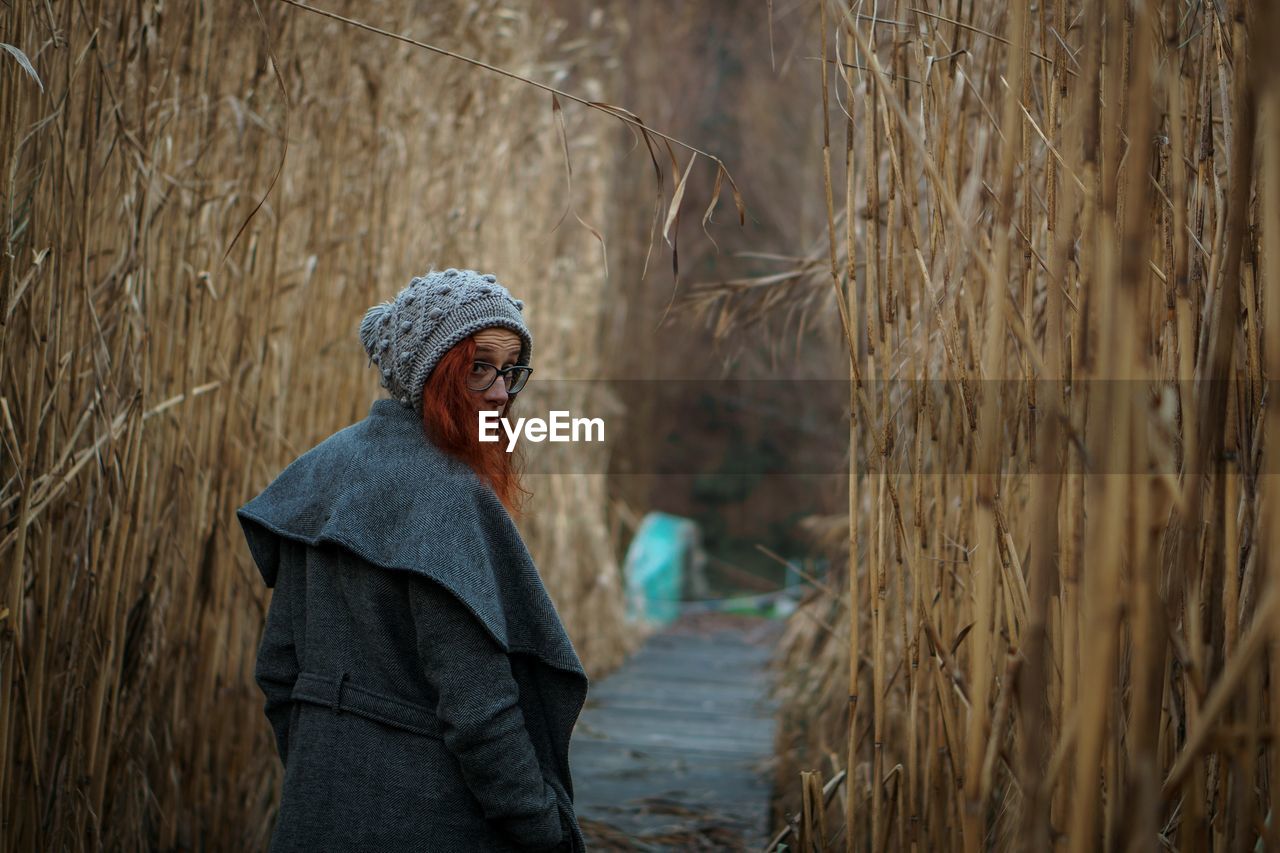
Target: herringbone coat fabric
[[420, 685]]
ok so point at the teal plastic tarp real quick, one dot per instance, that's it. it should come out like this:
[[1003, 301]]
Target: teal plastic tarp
[[657, 565]]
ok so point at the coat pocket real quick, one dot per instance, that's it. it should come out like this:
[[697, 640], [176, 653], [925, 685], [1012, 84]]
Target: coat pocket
[[572, 838]]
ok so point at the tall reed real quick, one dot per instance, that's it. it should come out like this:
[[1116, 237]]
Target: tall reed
[[1051, 237], [151, 382]]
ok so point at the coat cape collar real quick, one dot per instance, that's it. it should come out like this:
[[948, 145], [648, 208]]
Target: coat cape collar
[[382, 490]]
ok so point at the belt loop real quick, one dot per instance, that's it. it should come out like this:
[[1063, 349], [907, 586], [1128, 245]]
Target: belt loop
[[337, 695]]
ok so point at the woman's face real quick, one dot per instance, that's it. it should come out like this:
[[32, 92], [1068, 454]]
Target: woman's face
[[499, 347]]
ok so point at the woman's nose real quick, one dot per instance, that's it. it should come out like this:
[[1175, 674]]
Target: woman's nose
[[497, 393]]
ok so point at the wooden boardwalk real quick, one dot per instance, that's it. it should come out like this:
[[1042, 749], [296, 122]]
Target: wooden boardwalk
[[673, 750]]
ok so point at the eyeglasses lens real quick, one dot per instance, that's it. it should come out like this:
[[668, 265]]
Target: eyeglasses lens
[[515, 379], [483, 375]]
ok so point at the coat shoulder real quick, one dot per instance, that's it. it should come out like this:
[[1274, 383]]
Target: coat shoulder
[[374, 488]]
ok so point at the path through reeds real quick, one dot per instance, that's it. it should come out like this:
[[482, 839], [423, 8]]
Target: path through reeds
[[672, 751]]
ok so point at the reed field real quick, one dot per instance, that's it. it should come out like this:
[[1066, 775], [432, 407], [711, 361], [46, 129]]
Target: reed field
[[163, 354], [1054, 240], [1046, 236]]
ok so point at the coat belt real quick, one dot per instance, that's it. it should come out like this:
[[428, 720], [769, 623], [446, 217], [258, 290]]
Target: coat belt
[[339, 694]]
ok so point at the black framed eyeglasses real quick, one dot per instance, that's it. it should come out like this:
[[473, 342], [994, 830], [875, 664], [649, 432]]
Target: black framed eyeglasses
[[484, 374]]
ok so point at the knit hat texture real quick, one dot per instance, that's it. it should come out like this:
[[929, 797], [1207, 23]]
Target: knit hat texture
[[408, 335]]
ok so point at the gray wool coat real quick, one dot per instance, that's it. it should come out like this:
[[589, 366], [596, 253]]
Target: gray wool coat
[[420, 685]]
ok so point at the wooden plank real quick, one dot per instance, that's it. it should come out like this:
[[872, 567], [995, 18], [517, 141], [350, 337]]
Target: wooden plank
[[703, 687], [677, 724], [655, 740], [681, 671], [645, 710]]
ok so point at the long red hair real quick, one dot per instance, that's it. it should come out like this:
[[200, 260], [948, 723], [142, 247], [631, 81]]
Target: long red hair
[[450, 417]]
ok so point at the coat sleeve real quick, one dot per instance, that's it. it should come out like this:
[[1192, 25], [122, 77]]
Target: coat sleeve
[[480, 717], [276, 669]]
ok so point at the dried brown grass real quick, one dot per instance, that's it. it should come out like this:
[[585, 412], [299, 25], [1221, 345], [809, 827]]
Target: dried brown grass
[[1072, 644], [151, 381]]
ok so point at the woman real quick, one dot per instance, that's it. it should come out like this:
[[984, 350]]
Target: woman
[[418, 680]]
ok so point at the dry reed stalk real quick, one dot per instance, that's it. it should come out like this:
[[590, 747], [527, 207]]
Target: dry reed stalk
[[146, 390], [1060, 209], [1269, 520]]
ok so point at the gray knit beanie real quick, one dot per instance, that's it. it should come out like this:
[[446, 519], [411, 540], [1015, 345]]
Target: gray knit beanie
[[408, 335]]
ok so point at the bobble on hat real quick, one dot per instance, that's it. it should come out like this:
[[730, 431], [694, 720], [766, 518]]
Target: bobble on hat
[[369, 325], [489, 277]]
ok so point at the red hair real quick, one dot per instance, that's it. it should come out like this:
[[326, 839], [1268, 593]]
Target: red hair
[[449, 415]]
